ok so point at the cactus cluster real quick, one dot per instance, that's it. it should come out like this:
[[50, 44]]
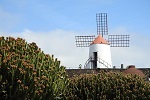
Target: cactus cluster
[[27, 73], [108, 86]]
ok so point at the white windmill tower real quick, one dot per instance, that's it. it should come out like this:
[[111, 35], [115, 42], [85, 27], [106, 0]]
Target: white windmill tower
[[99, 48]]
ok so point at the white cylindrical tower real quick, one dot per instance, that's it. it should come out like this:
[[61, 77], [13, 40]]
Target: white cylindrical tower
[[99, 54]]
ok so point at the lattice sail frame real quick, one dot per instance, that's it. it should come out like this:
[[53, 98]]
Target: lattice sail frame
[[84, 41], [118, 40], [102, 27]]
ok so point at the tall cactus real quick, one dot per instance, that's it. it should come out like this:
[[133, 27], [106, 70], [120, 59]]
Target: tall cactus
[[27, 73]]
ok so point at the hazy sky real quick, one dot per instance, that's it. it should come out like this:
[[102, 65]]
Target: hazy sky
[[53, 25]]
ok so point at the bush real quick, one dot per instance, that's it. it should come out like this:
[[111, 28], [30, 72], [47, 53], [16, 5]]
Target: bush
[[108, 86], [27, 73]]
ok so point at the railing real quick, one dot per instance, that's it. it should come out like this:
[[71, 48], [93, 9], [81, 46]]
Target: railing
[[99, 60], [87, 62], [103, 62]]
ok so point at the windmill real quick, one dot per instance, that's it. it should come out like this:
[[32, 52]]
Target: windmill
[[99, 46]]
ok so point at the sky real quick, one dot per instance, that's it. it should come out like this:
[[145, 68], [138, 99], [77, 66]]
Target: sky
[[53, 25]]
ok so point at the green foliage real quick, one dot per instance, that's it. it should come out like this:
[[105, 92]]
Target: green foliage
[[108, 86], [27, 73]]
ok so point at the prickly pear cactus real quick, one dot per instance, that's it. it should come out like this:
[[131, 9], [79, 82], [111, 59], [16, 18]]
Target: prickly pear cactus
[[27, 73]]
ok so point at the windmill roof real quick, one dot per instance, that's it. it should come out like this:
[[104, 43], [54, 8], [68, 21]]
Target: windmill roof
[[99, 40]]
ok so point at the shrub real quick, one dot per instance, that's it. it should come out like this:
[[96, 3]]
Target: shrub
[[108, 86], [27, 73]]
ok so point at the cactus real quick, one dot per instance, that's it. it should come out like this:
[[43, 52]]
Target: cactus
[[27, 73], [108, 86]]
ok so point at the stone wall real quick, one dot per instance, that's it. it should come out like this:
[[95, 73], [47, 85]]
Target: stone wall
[[72, 72]]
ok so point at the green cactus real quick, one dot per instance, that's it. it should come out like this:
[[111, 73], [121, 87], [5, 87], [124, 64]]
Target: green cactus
[[27, 73], [108, 86]]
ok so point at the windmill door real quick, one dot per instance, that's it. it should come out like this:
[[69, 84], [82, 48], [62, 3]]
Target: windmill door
[[94, 60]]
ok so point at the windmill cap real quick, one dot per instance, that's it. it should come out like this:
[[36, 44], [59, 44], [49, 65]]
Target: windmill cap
[[99, 40]]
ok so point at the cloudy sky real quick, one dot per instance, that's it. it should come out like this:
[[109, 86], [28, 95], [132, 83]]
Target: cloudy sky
[[53, 25]]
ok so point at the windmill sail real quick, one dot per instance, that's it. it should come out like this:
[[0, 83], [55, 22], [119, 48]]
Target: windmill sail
[[102, 29], [84, 41], [101, 20], [118, 40]]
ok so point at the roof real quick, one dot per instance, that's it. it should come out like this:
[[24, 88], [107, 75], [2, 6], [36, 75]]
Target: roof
[[132, 70], [99, 40]]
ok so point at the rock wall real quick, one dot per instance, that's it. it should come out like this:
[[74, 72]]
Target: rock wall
[[72, 72]]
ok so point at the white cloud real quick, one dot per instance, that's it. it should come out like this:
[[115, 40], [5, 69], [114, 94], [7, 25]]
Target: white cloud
[[58, 42], [61, 43]]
